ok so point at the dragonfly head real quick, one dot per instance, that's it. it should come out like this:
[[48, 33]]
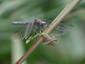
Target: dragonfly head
[[40, 23], [43, 23]]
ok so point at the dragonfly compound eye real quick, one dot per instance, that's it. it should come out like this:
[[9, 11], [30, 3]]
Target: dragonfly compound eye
[[42, 24], [39, 23]]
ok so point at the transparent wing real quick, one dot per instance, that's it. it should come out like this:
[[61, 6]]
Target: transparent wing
[[62, 29], [28, 30]]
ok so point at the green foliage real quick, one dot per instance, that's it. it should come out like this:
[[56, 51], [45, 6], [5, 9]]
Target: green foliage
[[70, 46]]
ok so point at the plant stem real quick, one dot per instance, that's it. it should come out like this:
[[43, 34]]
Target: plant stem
[[61, 16], [51, 28], [30, 50]]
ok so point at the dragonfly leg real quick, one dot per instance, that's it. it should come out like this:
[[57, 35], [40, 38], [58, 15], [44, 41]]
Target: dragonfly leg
[[51, 42], [49, 39]]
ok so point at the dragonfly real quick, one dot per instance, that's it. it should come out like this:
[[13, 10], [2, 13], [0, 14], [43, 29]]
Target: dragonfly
[[38, 26]]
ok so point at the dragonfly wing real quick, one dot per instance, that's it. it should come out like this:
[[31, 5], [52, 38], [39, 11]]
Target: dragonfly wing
[[62, 29], [28, 30]]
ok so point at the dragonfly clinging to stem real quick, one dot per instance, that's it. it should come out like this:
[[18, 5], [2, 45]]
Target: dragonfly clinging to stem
[[41, 25]]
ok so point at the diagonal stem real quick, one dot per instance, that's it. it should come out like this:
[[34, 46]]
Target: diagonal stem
[[51, 28], [61, 16]]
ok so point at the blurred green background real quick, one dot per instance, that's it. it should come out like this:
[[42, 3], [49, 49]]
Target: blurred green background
[[70, 48]]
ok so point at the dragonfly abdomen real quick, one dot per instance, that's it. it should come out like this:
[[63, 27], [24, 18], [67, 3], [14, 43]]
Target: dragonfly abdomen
[[22, 23]]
